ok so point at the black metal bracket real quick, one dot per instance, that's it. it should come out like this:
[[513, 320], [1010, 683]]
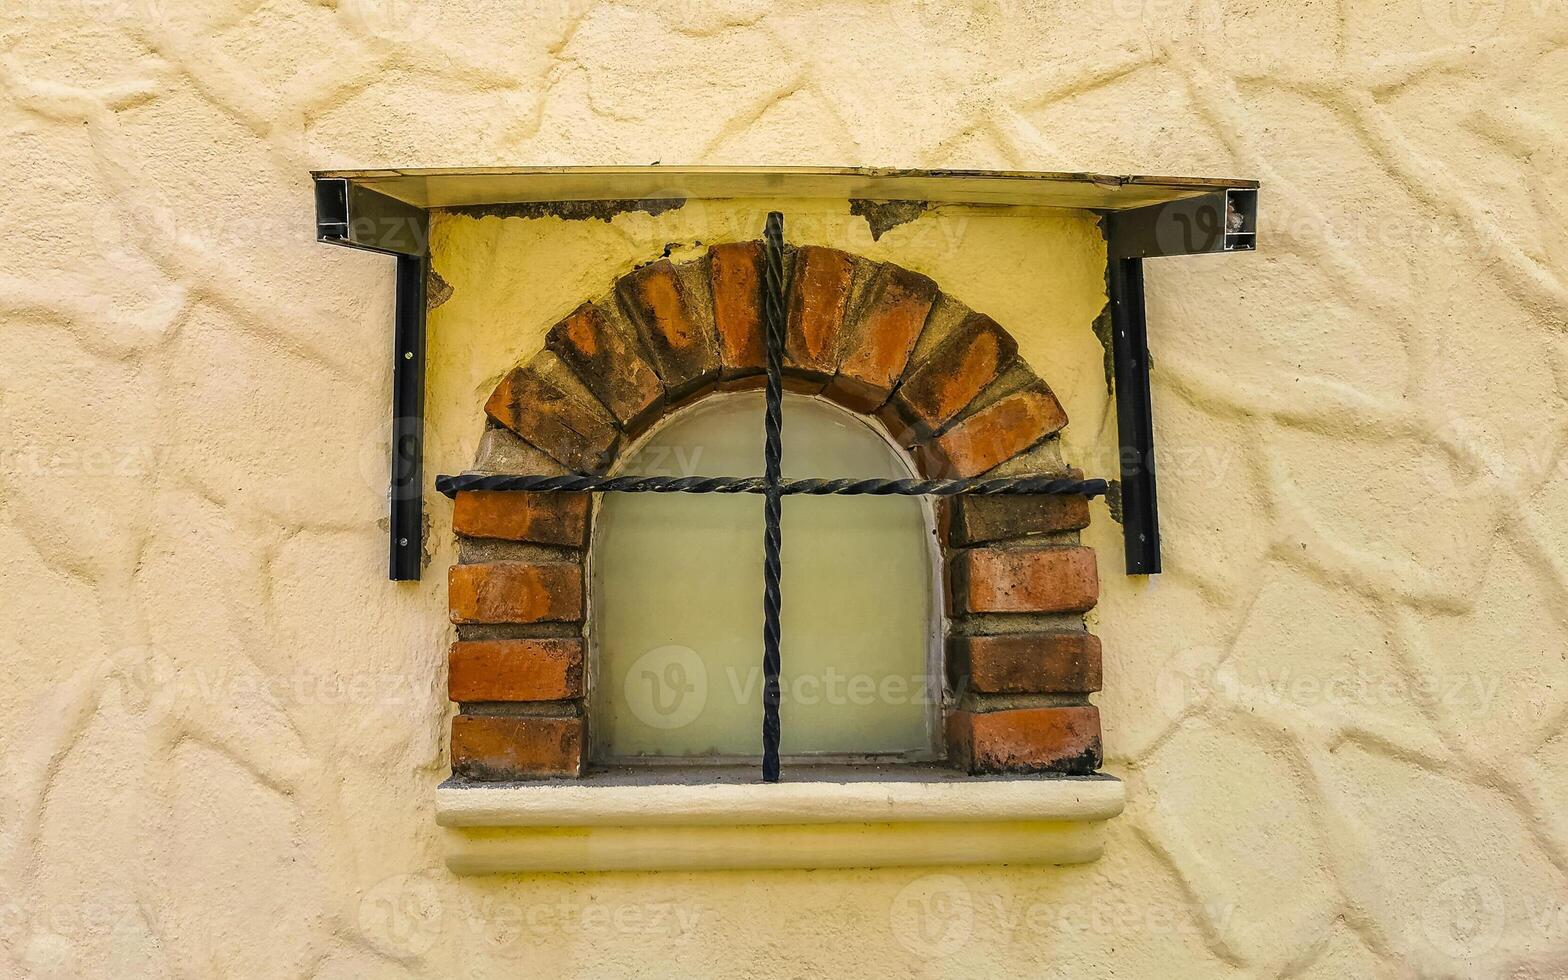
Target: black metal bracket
[[356, 217], [1224, 221]]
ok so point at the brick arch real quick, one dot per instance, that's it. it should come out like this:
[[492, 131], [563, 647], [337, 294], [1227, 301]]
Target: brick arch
[[874, 337], [945, 381]]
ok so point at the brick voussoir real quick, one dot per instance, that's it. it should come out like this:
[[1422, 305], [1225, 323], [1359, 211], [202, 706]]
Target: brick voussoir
[[943, 385], [602, 351], [993, 435], [549, 406], [735, 275], [676, 329], [877, 342], [819, 297]]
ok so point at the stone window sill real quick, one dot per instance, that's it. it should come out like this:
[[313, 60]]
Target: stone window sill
[[683, 818]]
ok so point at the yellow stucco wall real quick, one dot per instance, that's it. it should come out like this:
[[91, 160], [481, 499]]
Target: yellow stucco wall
[[1338, 713]]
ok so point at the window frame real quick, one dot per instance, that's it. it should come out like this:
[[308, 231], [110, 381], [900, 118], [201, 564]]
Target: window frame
[[935, 749]]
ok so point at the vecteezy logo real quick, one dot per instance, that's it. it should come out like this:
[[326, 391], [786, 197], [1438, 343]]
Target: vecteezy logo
[[667, 687], [1182, 228], [920, 19], [1465, 916], [148, 678], [933, 916], [1188, 680], [402, 914], [1464, 20], [416, 441]]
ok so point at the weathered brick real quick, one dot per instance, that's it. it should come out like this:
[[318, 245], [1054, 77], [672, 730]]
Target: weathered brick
[[819, 295], [735, 272], [541, 518], [515, 670], [488, 747], [516, 592], [1024, 580], [547, 404], [942, 385], [502, 451], [1054, 739], [876, 344], [974, 519], [993, 435], [1025, 663], [942, 323], [676, 330], [1044, 456], [601, 348]]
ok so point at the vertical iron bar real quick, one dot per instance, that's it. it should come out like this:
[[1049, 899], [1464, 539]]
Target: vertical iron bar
[[772, 454], [1134, 417], [405, 494]]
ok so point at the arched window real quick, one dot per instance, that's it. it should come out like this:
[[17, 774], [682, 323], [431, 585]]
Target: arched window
[[611, 627], [675, 601]]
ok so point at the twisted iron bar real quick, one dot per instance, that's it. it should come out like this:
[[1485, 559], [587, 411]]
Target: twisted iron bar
[[773, 499], [572, 482]]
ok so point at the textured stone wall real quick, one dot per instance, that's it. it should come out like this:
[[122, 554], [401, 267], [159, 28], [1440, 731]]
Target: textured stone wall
[[1339, 712]]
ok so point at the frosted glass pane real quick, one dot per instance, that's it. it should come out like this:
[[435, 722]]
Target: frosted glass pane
[[677, 596]]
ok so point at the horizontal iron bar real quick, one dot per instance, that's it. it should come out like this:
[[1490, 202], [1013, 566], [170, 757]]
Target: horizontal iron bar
[[452, 485]]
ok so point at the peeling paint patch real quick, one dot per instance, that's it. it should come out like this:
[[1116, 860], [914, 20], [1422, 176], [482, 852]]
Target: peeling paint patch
[[437, 290], [1102, 333], [883, 216], [570, 210]]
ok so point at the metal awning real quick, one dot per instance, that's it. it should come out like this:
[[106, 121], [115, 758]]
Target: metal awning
[[470, 186], [388, 211]]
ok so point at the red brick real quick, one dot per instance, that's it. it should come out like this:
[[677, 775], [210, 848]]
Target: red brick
[[993, 435], [674, 329], [1025, 580], [945, 383], [601, 350], [977, 519], [1055, 739], [548, 405], [541, 518], [491, 747], [515, 670], [735, 272], [516, 592], [818, 299], [1025, 663], [877, 344]]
